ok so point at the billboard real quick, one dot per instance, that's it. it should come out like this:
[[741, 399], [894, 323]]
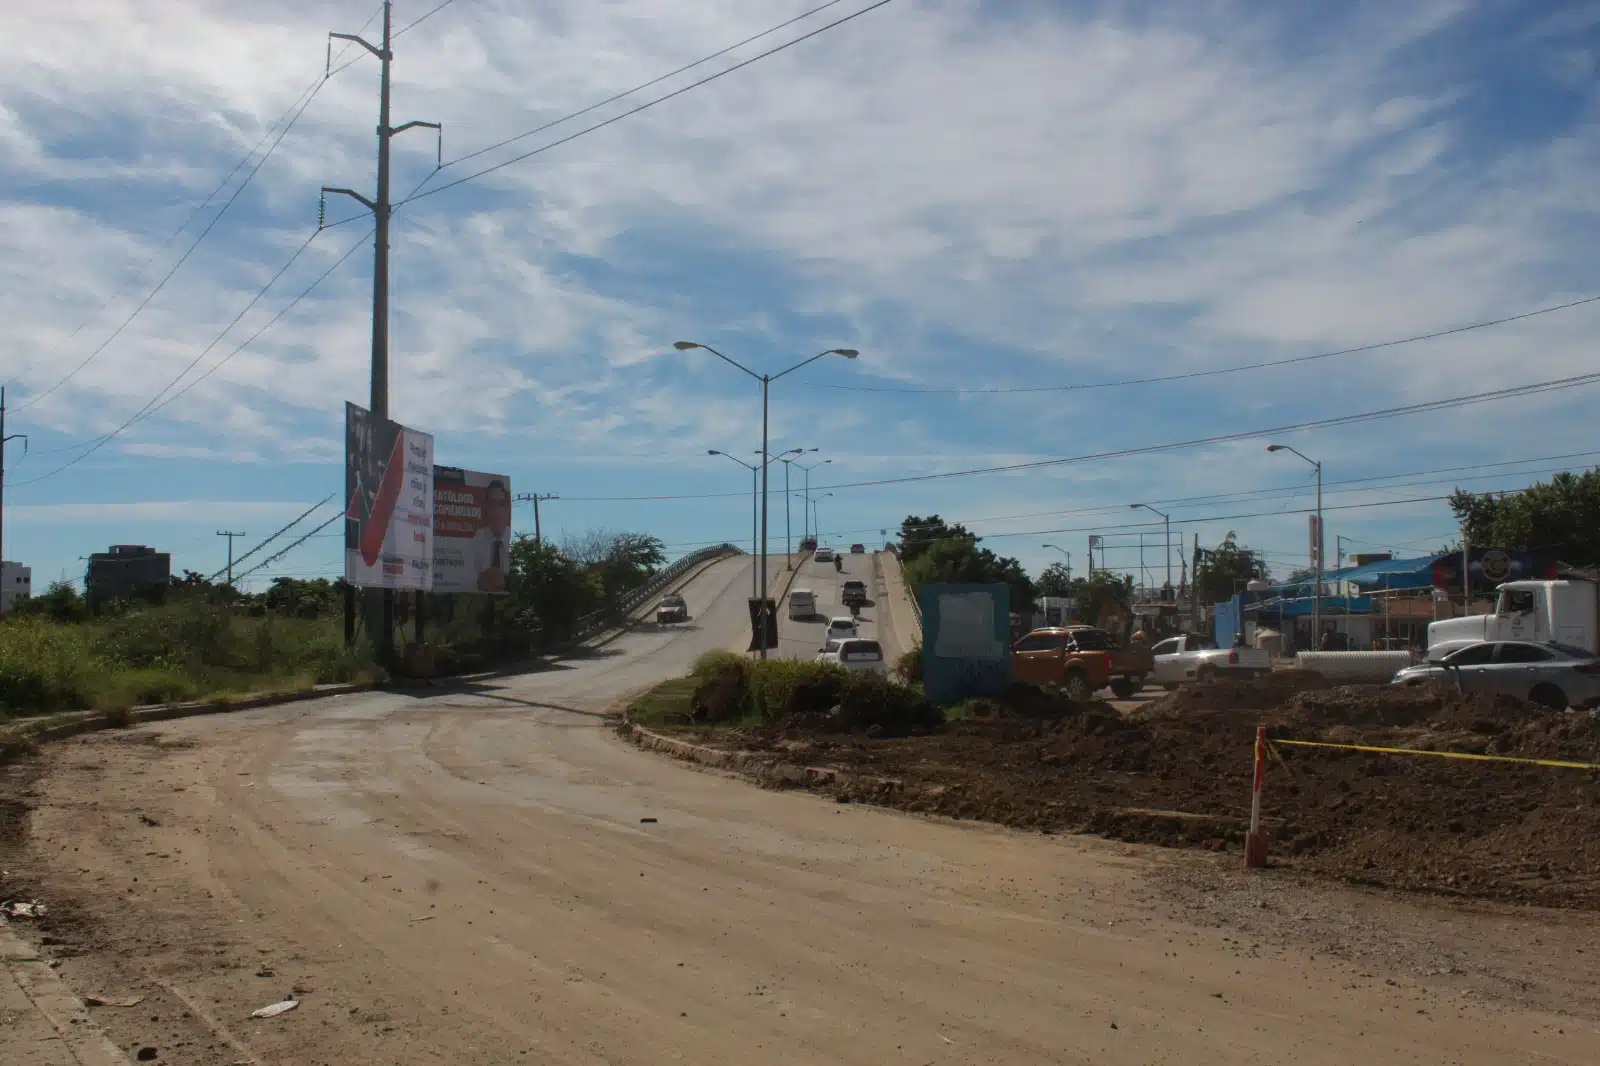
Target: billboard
[[471, 530], [1315, 526], [966, 641], [388, 491]]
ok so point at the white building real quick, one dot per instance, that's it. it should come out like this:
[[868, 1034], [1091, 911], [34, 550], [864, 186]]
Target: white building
[[16, 583]]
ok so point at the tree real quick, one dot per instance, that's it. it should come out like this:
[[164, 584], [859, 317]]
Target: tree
[[547, 591], [1055, 581], [1223, 570], [1101, 589], [917, 535], [959, 560], [621, 561], [317, 598], [1559, 517]]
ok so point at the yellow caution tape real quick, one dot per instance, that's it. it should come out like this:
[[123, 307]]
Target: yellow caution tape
[[1559, 763]]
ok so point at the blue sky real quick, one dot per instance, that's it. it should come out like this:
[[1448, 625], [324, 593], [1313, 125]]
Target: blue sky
[[975, 196]]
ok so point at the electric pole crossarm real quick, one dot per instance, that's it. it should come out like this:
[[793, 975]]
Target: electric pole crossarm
[[368, 204], [438, 161], [381, 53]]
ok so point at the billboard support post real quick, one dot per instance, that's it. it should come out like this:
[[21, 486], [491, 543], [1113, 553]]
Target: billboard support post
[[381, 209]]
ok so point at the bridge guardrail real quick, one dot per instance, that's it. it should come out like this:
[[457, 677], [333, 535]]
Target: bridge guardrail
[[595, 621]]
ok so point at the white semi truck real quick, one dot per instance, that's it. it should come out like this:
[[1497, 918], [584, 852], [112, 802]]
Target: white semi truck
[[1567, 612]]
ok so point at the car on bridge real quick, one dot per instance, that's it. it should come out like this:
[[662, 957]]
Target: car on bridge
[[824, 555], [853, 592], [842, 627], [858, 654], [858, 549], [672, 609]]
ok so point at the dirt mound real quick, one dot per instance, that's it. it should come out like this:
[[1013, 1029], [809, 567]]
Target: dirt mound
[[1228, 694], [1180, 774]]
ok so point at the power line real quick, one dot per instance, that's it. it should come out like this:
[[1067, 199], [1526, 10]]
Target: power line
[[1531, 389], [645, 106], [1491, 395], [642, 85], [188, 220], [301, 517], [1189, 375], [338, 515], [414, 23], [187, 252], [152, 407]]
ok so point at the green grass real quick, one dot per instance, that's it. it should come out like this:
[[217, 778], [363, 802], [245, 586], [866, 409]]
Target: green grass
[[167, 654], [668, 704]]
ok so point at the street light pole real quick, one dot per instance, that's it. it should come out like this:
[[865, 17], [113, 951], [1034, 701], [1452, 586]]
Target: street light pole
[[1166, 535], [816, 515], [754, 491], [766, 384], [788, 539], [1316, 603], [1068, 554], [806, 517]]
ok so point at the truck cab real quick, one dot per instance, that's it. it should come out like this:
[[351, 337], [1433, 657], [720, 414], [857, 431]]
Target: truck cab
[[1566, 612]]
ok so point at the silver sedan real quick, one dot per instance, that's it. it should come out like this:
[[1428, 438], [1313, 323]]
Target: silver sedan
[[1553, 675]]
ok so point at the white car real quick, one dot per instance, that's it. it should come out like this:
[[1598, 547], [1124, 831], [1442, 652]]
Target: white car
[[855, 653], [842, 627], [824, 555], [802, 604]]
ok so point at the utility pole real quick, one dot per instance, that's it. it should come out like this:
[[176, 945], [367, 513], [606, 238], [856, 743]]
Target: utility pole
[[381, 209], [3, 440], [536, 498], [230, 534]]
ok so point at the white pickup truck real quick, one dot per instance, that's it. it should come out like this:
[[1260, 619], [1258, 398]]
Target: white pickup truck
[[1192, 657], [1566, 612]]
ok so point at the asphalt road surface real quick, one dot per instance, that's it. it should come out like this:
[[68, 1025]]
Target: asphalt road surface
[[801, 638], [487, 874]]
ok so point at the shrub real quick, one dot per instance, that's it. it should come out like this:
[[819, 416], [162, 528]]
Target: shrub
[[882, 707], [908, 667], [44, 666], [715, 662], [773, 685]]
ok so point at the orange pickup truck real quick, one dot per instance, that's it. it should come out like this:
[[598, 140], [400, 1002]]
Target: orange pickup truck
[[1052, 657], [1130, 664]]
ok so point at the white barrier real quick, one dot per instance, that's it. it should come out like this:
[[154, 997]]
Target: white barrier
[[1371, 666]]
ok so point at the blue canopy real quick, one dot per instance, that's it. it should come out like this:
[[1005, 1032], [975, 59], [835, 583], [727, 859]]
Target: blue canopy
[[1381, 575]]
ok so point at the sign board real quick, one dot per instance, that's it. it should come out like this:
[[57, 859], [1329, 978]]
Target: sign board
[[1491, 566], [755, 624], [471, 530], [388, 491], [1315, 524], [966, 645]]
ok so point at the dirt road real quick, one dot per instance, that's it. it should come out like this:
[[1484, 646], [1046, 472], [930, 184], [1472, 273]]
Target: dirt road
[[487, 875]]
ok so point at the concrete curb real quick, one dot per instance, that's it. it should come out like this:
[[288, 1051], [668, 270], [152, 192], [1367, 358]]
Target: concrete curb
[[768, 771], [52, 1016], [901, 617], [89, 721]]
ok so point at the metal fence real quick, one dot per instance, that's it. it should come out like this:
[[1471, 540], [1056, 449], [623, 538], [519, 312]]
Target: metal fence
[[619, 609]]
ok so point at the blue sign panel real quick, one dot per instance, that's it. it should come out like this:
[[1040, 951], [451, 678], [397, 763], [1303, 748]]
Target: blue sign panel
[[966, 641]]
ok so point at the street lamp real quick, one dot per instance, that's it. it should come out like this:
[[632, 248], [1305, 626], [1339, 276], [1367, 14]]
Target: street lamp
[[806, 515], [1068, 554], [1316, 603], [816, 520], [753, 546], [1166, 537], [788, 542], [753, 469], [766, 383]]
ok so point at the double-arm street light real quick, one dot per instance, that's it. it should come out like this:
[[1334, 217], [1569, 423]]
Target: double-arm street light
[[816, 520], [805, 517], [754, 469], [787, 459], [1166, 537], [766, 384], [1316, 603], [1068, 554]]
